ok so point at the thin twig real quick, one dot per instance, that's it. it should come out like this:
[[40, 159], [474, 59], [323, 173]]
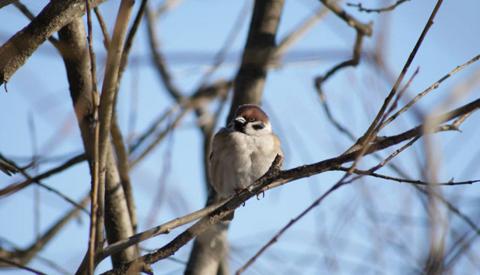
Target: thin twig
[[13, 263], [373, 128], [103, 26], [151, 130], [377, 10], [393, 154], [275, 238], [221, 55], [357, 48], [95, 230], [61, 195], [294, 36], [23, 256], [400, 94], [18, 186], [403, 180], [7, 166], [166, 6], [4, 3], [160, 136], [429, 89], [159, 59], [365, 29], [123, 170]]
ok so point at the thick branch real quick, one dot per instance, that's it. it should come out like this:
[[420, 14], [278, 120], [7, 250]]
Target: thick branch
[[259, 50], [56, 14]]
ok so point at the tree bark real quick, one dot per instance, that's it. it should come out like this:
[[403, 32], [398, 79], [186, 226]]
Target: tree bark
[[260, 47], [117, 219], [56, 14]]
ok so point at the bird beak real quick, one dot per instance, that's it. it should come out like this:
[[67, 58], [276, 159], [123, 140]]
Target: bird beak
[[239, 124]]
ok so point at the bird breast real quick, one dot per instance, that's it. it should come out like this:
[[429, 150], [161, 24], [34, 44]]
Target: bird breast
[[240, 160]]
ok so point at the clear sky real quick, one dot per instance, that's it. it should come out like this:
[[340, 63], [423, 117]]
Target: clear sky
[[37, 116]]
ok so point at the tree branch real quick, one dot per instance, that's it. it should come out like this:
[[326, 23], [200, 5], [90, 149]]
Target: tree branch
[[56, 14], [274, 179]]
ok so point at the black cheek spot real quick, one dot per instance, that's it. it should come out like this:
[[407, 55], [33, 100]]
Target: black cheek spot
[[258, 126]]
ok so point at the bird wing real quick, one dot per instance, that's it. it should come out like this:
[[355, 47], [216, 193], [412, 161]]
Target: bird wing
[[215, 167], [278, 144]]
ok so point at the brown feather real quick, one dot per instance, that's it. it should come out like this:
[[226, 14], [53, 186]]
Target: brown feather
[[251, 111]]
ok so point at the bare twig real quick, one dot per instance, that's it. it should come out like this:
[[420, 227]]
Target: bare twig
[[402, 180], [4, 3], [357, 47], [290, 39], [400, 94], [353, 61], [17, 186], [360, 7], [275, 238], [373, 128], [96, 228], [166, 6], [123, 170], [428, 90], [61, 195], [151, 130], [7, 166], [159, 59], [12, 263], [103, 26], [220, 56], [365, 29], [160, 136]]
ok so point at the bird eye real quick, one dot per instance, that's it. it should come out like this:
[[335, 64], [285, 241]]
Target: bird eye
[[258, 126], [251, 119]]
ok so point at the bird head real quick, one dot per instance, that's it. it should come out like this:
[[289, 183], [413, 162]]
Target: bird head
[[250, 119]]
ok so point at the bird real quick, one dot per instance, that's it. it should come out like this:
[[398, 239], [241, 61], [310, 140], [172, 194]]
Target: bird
[[243, 151]]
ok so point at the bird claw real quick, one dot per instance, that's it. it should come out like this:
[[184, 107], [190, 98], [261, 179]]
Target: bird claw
[[262, 193], [237, 193]]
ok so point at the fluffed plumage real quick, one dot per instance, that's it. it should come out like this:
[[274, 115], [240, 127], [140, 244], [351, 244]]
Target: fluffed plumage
[[243, 151]]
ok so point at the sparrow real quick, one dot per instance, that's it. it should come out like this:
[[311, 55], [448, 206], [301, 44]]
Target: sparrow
[[243, 151]]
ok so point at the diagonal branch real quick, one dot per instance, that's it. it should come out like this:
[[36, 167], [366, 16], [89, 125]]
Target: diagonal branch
[[56, 14], [18, 186], [274, 179]]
